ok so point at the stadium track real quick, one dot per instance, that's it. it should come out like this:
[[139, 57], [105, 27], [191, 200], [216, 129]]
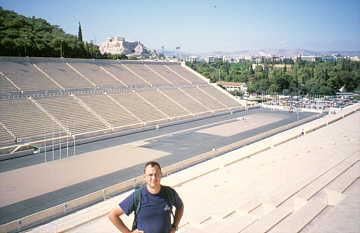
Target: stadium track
[[179, 142]]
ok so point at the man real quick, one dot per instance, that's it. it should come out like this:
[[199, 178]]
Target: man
[[154, 215]]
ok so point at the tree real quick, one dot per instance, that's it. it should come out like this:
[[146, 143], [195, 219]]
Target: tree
[[80, 38]]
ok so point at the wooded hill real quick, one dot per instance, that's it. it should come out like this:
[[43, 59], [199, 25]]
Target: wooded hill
[[24, 36]]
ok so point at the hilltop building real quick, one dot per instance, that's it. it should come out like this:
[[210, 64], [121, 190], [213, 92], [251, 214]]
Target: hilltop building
[[118, 45]]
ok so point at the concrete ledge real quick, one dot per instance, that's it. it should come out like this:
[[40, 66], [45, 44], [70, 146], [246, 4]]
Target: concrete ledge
[[85, 200], [31, 220]]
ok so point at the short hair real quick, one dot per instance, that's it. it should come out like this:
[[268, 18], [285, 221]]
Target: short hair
[[152, 164]]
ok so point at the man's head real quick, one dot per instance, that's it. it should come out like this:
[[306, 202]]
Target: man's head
[[152, 174]]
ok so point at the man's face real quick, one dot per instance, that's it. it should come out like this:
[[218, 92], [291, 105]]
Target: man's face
[[152, 176]]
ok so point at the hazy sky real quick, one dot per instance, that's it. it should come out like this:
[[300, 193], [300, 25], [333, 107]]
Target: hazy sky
[[206, 25]]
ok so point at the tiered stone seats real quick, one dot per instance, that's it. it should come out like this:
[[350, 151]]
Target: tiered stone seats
[[299, 219], [205, 99], [71, 114], [63, 74], [345, 180], [223, 98], [6, 85], [170, 75], [139, 107], [186, 100], [111, 111], [124, 75], [95, 74], [5, 137], [151, 91], [166, 105], [147, 74], [25, 75], [25, 120], [186, 74]]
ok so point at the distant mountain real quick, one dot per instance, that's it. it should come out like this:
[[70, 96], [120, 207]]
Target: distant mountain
[[265, 53]]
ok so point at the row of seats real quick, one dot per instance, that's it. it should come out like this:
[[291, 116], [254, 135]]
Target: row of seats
[[76, 97], [33, 74], [40, 117], [22, 119]]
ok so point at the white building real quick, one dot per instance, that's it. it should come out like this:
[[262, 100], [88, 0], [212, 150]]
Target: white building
[[211, 59], [192, 59], [118, 45], [233, 86]]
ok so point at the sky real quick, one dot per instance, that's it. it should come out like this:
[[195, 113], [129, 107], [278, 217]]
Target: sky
[[198, 26]]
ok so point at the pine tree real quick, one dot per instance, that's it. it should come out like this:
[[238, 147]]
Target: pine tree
[[80, 33]]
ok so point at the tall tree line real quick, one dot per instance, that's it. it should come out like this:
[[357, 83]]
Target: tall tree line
[[301, 77]]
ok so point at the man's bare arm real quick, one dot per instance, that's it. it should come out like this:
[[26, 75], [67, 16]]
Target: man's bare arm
[[178, 215], [114, 217]]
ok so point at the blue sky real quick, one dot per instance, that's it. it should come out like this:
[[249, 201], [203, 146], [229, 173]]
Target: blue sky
[[207, 25]]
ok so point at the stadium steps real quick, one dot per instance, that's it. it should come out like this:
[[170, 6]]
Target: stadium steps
[[334, 192], [25, 76], [63, 75], [305, 187], [110, 110], [185, 110], [186, 100], [71, 114], [300, 218], [37, 123], [147, 74], [80, 74], [212, 97], [346, 179], [92, 72], [48, 77], [179, 74], [159, 75], [228, 101], [188, 74], [114, 77], [6, 136], [326, 178], [230, 224], [169, 75], [265, 208], [137, 106], [203, 98], [269, 220], [131, 70], [94, 113], [162, 103], [228, 217], [49, 115], [6, 85]]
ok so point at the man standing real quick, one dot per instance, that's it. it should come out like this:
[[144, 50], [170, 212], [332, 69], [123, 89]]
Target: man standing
[[152, 205]]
